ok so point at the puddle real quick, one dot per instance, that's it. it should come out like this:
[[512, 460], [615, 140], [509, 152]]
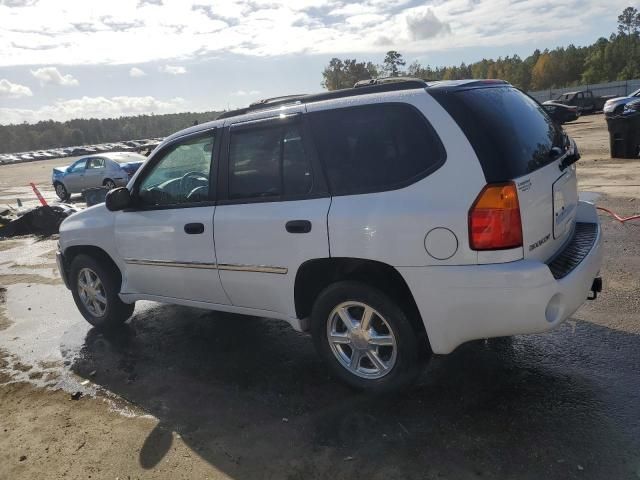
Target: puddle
[[44, 337], [41, 316]]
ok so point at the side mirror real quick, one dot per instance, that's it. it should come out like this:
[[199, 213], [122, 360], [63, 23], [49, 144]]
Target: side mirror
[[118, 199]]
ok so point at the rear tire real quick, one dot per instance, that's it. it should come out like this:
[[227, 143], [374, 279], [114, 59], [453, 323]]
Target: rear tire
[[384, 356], [61, 191], [95, 287]]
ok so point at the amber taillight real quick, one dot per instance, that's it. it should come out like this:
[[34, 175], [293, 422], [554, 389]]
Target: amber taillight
[[494, 218]]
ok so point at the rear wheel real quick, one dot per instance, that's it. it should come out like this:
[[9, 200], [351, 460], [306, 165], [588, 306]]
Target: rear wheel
[[110, 184], [61, 191], [365, 337], [95, 287]]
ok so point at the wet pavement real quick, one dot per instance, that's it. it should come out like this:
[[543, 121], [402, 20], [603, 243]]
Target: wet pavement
[[562, 405]]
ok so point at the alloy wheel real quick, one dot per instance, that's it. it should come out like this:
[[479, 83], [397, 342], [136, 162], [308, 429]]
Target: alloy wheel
[[362, 340], [92, 292]]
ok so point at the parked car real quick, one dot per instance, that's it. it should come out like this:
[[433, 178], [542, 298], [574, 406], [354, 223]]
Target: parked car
[[615, 106], [584, 100], [561, 113], [392, 221], [79, 151], [107, 169]]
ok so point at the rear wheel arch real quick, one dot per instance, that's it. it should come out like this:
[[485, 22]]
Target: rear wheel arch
[[315, 275]]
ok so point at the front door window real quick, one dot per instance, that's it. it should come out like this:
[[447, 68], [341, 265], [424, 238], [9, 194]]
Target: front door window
[[181, 176]]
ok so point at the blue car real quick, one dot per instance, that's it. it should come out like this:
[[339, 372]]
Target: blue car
[[108, 170]]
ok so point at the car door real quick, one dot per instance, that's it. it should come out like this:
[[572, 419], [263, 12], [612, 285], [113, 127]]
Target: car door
[[272, 213], [74, 177], [94, 172], [166, 239]]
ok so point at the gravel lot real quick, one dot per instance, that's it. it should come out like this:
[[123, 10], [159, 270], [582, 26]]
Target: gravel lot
[[185, 393]]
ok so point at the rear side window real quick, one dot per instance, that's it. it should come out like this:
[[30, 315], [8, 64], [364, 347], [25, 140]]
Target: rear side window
[[95, 162], [510, 132], [268, 162], [375, 147]]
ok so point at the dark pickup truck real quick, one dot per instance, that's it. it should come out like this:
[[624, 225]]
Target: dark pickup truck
[[584, 100]]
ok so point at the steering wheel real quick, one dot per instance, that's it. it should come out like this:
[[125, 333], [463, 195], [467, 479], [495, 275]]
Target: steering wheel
[[191, 177]]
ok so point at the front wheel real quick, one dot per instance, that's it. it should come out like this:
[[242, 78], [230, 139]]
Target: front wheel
[[366, 338], [109, 184], [95, 287], [61, 192]]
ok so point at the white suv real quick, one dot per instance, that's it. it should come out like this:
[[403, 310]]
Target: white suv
[[392, 221]]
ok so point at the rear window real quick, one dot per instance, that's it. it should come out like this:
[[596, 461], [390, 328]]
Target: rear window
[[375, 148], [510, 132]]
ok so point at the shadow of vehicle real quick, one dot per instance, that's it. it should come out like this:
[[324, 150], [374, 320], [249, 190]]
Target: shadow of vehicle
[[251, 397]]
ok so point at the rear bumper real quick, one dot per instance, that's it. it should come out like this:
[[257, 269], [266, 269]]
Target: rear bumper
[[464, 303]]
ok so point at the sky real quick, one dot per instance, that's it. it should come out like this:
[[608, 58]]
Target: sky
[[64, 59]]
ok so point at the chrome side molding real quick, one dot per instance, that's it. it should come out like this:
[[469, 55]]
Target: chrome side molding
[[234, 267]]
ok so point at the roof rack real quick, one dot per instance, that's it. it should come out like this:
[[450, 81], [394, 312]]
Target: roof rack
[[378, 85], [385, 80]]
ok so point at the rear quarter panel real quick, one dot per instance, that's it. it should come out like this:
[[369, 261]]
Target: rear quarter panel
[[391, 226]]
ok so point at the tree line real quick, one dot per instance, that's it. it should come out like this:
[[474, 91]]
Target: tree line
[[606, 60], [52, 134]]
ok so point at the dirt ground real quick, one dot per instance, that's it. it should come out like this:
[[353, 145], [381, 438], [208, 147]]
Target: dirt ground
[[186, 393]]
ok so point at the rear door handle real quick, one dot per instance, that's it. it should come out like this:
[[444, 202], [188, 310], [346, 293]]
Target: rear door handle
[[193, 228], [298, 226]]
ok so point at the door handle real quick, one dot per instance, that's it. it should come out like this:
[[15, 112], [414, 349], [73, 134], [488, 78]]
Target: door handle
[[298, 226], [193, 228]]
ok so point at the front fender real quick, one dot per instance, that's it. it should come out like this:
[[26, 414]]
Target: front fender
[[93, 227]]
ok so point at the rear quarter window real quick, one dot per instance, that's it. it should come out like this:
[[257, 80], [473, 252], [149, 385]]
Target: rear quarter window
[[510, 132], [374, 148]]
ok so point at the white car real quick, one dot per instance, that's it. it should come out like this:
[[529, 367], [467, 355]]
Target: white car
[[392, 221]]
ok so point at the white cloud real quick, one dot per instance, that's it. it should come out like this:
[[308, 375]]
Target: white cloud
[[67, 32], [173, 70], [13, 90], [92, 107], [424, 24], [244, 93], [51, 75], [136, 72]]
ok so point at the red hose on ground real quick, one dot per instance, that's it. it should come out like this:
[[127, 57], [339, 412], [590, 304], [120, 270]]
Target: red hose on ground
[[617, 217]]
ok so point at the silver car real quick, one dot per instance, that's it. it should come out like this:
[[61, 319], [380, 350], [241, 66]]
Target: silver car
[[615, 106], [108, 170]]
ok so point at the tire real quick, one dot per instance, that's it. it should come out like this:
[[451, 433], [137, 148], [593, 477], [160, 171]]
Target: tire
[[389, 325], [108, 313], [61, 191], [110, 184]]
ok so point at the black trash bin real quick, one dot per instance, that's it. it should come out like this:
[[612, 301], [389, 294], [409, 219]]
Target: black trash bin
[[624, 134]]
